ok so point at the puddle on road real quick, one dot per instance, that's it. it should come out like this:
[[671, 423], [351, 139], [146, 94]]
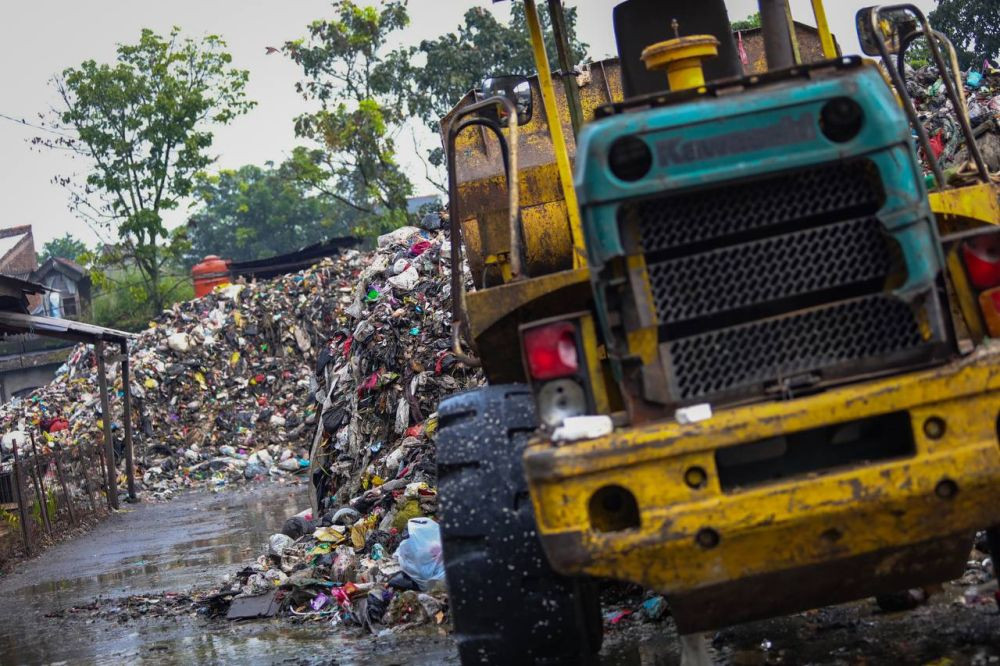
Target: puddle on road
[[192, 541]]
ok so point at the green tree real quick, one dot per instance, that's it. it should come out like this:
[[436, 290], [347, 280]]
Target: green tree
[[972, 25], [120, 299], [255, 212], [67, 247], [353, 75], [749, 23], [142, 125], [918, 54], [482, 46]]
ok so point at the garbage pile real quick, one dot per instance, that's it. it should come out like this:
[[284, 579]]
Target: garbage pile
[[349, 357], [982, 92], [371, 552], [342, 572]]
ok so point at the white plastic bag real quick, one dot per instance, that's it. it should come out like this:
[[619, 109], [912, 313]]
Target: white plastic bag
[[277, 544], [420, 555]]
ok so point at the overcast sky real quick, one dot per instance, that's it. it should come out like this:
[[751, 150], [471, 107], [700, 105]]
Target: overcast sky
[[39, 39]]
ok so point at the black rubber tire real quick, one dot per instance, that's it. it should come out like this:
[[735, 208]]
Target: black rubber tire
[[507, 604]]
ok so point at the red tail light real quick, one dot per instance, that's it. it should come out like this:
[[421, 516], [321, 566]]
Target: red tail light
[[551, 350], [982, 260]]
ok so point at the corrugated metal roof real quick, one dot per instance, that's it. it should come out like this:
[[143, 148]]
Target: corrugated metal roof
[[16, 322], [15, 282]]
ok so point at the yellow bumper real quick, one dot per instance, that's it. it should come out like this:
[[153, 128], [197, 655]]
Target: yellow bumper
[[793, 544]]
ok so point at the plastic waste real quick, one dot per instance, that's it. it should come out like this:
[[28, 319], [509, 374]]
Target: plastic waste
[[406, 280], [583, 427], [179, 342], [654, 608], [297, 526], [277, 543], [419, 555]]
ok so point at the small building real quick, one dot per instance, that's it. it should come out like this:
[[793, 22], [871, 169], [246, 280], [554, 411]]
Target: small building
[[69, 283], [750, 44], [58, 288], [27, 360], [18, 258]]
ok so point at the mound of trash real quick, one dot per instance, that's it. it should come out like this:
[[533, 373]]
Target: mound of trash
[[349, 358], [370, 553], [982, 93]]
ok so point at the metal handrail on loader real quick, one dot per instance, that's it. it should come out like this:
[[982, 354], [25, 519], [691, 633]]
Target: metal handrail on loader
[[950, 83], [509, 151]]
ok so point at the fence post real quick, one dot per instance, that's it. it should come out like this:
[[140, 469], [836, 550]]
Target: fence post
[[62, 483], [109, 449], [85, 461], [43, 503], [22, 503], [127, 402], [99, 449]]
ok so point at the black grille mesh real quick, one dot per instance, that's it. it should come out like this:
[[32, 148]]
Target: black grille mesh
[[791, 345], [780, 278], [771, 269], [681, 219]]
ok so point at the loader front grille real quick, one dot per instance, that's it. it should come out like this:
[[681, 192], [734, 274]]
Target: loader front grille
[[783, 278], [792, 345], [842, 190], [771, 269]]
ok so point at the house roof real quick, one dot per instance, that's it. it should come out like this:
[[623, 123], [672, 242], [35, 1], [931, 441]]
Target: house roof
[[8, 243], [65, 266]]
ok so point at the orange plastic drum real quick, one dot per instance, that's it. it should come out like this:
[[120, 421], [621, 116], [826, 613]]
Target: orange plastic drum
[[210, 273]]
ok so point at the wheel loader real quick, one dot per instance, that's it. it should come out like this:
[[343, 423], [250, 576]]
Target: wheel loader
[[737, 330]]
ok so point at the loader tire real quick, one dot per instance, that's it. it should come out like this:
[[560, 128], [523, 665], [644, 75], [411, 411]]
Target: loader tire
[[508, 605]]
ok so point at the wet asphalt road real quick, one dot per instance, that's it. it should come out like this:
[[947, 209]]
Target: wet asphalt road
[[190, 542], [195, 540]]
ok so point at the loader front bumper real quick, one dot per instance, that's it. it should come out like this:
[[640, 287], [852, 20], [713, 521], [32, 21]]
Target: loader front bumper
[[652, 505]]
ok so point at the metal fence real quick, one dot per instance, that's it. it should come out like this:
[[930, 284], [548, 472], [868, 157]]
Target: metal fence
[[46, 490]]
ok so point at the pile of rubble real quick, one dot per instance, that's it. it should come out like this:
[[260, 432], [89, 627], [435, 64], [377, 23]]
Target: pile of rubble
[[245, 382]]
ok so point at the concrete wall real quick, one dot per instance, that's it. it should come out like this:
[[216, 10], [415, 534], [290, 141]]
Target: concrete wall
[[810, 47], [29, 371], [13, 381]]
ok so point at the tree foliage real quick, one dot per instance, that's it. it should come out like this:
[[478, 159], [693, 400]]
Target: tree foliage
[[255, 212], [368, 92], [67, 247], [141, 124], [972, 25], [458, 61], [918, 54], [352, 73], [121, 300], [749, 23]]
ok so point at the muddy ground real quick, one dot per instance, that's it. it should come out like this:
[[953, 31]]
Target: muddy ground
[[198, 538]]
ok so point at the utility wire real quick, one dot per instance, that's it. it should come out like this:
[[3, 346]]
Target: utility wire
[[25, 123]]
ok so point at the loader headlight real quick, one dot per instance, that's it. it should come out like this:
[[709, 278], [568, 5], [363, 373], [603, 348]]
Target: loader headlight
[[841, 119], [560, 399], [630, 158]]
